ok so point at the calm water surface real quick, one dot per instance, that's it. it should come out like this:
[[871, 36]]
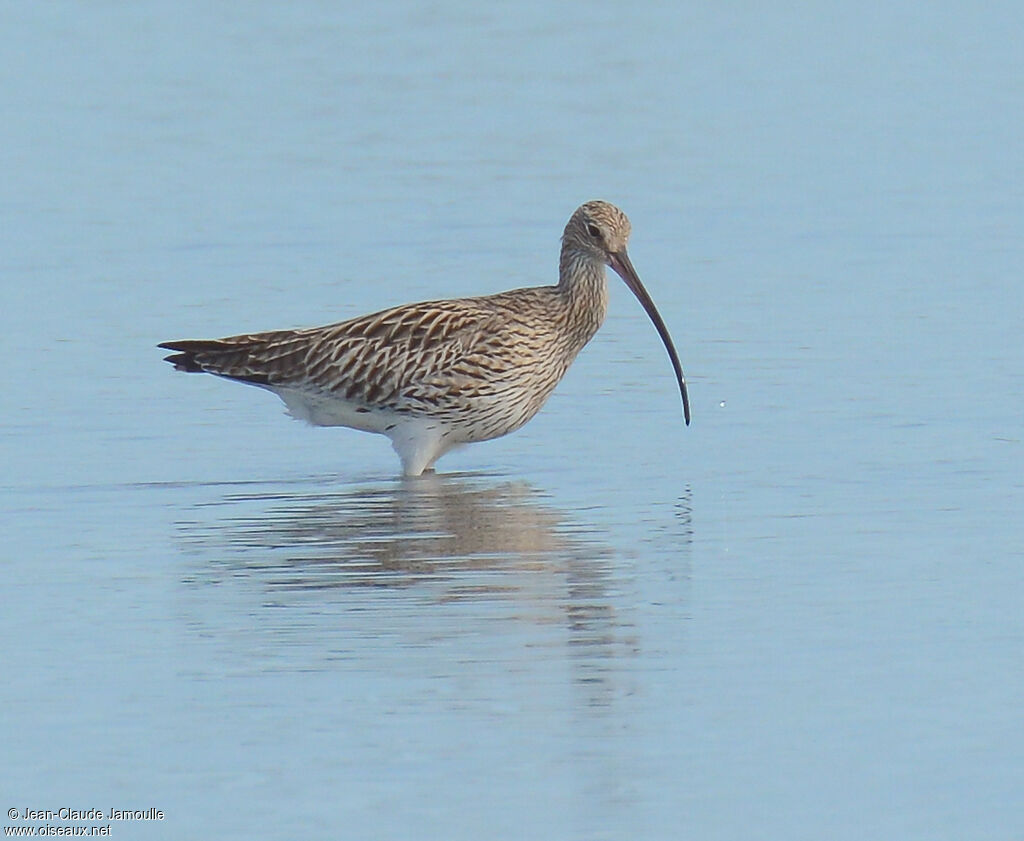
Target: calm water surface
[[797, 619]]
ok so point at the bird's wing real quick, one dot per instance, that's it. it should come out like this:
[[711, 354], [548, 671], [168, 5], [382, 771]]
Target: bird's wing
[[405, 355]]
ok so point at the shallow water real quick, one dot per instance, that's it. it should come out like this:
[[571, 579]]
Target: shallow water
[[797, 618]]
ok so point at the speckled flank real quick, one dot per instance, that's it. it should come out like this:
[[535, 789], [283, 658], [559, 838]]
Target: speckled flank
[[437, 374]]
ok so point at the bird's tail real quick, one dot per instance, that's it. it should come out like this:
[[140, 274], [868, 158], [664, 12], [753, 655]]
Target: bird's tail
[[236, 358]]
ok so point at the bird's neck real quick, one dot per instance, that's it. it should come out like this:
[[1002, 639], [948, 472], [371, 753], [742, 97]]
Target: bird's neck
[[583, 285]]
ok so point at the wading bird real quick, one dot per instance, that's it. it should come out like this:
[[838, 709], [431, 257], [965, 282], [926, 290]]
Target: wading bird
[[438, 374]]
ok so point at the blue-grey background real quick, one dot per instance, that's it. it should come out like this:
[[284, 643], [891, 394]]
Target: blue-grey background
[[800, 618]]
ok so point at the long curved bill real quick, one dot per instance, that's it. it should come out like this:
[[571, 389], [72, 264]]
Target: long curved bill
[[624, 269]]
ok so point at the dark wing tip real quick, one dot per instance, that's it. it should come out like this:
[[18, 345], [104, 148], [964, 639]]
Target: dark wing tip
[[200, 357], [185, 359], [184, 362], [193, 345]]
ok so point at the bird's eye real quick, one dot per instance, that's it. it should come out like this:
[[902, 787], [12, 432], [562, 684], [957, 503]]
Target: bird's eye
[[593, 230]]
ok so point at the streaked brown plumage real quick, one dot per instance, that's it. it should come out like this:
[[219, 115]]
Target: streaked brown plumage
[[434, 375]]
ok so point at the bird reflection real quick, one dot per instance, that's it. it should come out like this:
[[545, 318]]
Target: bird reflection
[[393, 535], [442, 538]]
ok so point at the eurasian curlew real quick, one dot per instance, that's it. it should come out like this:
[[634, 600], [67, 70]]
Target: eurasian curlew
[[434, 375]]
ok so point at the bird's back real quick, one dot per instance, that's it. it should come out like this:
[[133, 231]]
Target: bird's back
[[484, 365]]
